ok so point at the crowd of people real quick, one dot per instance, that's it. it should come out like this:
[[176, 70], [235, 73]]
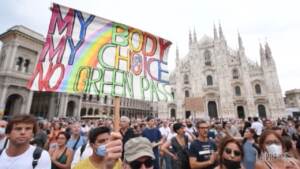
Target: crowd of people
[[27, 143]]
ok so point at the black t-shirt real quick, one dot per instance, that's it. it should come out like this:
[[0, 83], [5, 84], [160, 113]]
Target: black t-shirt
[[202, 151]]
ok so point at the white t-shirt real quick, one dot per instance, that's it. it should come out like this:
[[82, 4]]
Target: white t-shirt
[[24, 161], [88, 151], [165, 131], [258, 127], [2, 142]]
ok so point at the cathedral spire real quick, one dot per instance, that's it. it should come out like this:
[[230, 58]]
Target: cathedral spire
[[221, 32], [177, 55], [190, 39], [215, 33], [261, 50], [268, 51], [262, 54], [240, 41], [195, 36]]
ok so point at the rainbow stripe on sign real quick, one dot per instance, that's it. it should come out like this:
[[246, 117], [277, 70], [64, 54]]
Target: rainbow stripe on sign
[[87, 56]]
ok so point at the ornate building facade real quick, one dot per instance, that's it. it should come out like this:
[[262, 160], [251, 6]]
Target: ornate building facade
[[18, 56], [292, 102], [228, 83]]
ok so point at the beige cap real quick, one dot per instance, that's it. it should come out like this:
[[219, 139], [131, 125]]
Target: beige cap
[[137, 147]]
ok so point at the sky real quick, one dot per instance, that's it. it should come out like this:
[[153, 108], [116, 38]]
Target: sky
[[257, 21]]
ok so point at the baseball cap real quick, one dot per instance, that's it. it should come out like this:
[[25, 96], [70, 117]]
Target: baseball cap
[[137, 147]]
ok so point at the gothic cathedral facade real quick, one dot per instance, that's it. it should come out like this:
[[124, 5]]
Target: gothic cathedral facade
[[228, 83]]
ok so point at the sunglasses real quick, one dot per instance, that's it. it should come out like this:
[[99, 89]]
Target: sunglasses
[[137, 164], [235, 152]]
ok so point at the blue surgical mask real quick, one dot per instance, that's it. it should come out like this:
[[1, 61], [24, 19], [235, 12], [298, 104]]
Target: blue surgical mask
[[101, 151]]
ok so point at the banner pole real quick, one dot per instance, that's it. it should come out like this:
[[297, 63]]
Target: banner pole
[[116, 120]]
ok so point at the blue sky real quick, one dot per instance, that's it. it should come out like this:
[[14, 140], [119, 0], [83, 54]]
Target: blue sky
[[278, 22]]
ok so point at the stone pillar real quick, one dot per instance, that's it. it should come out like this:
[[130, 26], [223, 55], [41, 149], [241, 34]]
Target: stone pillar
[[29, 102], [3, 99], [62, 104], [77, 114], [9, 63]]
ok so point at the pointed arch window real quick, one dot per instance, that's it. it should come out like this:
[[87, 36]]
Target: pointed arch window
[[186, 79], [187, 93], [209, 80], [235, 74], [237, 91], [207, 57], [257, 89]]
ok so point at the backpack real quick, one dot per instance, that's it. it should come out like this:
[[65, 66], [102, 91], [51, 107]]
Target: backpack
[[36, 155]]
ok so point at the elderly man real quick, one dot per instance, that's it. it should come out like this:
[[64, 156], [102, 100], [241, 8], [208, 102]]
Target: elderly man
[[138, 154], [126, 131], [76, 139], [3, 138]]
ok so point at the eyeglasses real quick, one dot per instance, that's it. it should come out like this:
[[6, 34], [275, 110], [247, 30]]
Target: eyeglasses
[[137, 164], [229, 151]]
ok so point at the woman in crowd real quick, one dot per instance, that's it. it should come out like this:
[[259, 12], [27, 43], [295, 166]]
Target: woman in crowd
[[272, 157], [55, 130], [61, 156], [230, 154], [177, 148], [250, 149]]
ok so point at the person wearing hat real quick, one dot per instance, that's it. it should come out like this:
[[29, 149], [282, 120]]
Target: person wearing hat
[[138, 154], [152, 133]]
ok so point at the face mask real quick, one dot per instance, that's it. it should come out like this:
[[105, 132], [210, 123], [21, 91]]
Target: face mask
[[101, 151], [2, 130], [232, 164], [274, 150]]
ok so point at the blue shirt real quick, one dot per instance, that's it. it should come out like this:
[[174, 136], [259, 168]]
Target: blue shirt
[[153, 135], [72, 142], [250, 154]]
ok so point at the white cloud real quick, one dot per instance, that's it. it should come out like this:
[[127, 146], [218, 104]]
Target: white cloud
[[256, 20]]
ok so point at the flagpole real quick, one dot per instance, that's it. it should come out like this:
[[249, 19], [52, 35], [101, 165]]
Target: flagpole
[[116, 120]]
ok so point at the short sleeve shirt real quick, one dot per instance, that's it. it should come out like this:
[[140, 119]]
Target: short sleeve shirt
[[202, 151]]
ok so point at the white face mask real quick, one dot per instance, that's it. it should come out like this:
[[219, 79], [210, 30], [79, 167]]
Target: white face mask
[[274, 150], [2, 131]]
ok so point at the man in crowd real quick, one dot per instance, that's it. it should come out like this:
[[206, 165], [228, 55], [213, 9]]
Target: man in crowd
[[19, 154], [154, 136], [3, 138], [125, 130], [202, 150], [165, 132], [257, 126], [232, 130], [268, 125], [107, 150], [76, 139], [138, 154]]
